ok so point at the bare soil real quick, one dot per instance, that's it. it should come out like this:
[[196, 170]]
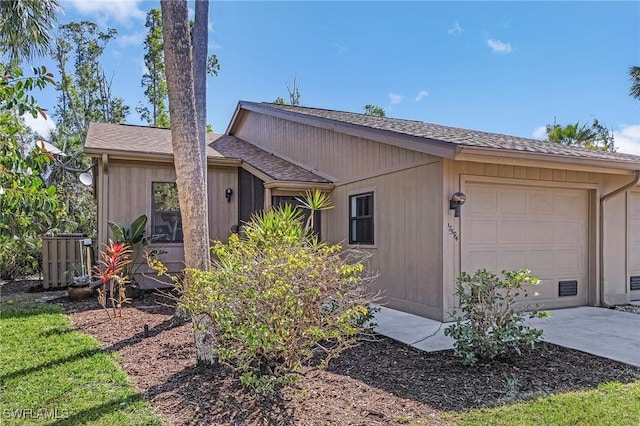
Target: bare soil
[[378, 382]]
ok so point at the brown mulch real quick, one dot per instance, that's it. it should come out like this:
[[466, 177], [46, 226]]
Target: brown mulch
[[380, 382]]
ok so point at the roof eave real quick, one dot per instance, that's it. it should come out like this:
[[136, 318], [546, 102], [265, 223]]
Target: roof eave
[[153, 157], [415, 143], [526, 158]]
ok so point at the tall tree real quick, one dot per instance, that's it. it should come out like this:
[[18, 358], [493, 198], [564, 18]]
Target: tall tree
[[153, 80], [84, 95], [374, 110], [27, 206], [634, 76], [190, 174], [591, 136], [199, 65], [25, 28]]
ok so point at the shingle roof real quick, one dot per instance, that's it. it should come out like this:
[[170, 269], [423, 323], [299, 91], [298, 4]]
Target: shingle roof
[[452, 135], [269, 164], [135, 139], [141, 140]]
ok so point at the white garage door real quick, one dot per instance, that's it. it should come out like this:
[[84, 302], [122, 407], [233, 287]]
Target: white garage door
[[634, 244], [543, 229]]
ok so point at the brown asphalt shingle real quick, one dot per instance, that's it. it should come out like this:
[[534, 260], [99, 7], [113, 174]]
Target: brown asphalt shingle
[[271, 165], [452, 135], [151, 140]]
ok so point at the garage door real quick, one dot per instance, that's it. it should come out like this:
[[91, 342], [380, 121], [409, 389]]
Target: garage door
[[634, 244], [543, 229]]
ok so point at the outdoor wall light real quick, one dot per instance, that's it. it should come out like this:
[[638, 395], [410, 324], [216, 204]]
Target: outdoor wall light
[[86, 178], [456, 201], [228, 193]]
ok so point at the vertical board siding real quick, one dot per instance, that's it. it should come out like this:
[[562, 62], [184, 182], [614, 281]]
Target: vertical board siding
[[407, 253], [335, 154], [130, 196]]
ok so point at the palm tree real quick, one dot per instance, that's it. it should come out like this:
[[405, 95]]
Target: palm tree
[[634, 76], [25, 28]]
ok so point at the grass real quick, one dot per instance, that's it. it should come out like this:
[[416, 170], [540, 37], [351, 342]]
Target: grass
[[613, 404], [50, 374]]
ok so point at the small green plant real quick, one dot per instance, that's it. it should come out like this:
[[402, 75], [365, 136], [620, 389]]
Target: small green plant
[[133, 236], [490, 323], [110, 271]]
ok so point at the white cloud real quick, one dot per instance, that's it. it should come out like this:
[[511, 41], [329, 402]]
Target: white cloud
[[40, 125], [456, 29], [122, 11], [395, 99], [627, 139], [498, 46], [134, 39], [421, 95], [540, 132], [340, 48]]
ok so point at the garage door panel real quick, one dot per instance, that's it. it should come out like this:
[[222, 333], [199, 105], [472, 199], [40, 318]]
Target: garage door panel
[[512, 260], [483, 231], [568, 233], [539, 232], [547, 232], [541, 261], [480, 260], [568, 262], [512, 231], [485, 202], [540, 203], [512, 202]]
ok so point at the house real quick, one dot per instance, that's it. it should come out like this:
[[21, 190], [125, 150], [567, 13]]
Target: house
[[570, 215]]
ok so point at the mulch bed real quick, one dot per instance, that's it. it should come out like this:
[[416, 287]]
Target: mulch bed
[[378, 382]]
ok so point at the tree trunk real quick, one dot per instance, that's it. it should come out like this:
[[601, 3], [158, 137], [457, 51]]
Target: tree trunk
[[200, 47], [190, 176]]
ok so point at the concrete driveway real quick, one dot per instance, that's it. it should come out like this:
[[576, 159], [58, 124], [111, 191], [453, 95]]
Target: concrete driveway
[[599, 331]]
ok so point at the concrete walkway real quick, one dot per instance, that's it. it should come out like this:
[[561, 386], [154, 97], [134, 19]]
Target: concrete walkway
[[599, 331]]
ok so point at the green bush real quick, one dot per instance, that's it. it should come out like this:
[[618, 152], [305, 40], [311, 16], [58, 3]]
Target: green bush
[[490, 323], [20, 257], [276, 298]]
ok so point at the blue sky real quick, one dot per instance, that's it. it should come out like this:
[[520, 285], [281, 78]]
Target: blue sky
[[505, 67]]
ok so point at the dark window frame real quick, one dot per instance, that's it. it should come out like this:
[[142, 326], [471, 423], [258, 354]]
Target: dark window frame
[[178, 237], [355, 219]]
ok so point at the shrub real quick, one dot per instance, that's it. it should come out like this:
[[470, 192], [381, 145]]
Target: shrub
[[490, 323], [20, 257], [110, 270], [276, 297]]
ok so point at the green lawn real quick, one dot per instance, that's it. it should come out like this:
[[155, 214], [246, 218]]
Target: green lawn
[[50, 374], [611, 404]]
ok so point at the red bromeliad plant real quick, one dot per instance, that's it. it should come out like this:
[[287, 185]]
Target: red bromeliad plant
[[109, 269]]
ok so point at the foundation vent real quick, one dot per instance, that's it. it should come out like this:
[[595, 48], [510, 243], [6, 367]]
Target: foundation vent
[[568, 288], [634, 283]]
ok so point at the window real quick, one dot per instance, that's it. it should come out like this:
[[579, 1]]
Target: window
[[361, 218], [166, 222]]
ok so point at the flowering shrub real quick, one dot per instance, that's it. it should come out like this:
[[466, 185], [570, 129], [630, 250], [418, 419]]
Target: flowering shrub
[[276, 298], [489, 324]]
